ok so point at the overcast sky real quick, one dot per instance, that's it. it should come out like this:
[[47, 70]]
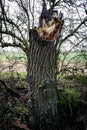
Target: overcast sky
[[13, 9]]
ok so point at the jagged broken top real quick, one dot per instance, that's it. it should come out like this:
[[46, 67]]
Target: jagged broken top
[[50, 31]]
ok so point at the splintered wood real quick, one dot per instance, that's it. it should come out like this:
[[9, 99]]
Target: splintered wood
[[51, 30]]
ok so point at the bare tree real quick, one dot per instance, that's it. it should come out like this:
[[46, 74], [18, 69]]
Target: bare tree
[[42, 47]]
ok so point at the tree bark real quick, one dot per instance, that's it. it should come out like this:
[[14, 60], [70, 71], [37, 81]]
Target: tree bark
[[42, 61], [43, 106]]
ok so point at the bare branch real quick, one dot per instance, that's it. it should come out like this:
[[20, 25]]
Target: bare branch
[[11, 34], [75, 30], [14, 44], [15, 25]]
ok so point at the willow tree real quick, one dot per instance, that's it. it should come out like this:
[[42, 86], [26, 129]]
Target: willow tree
[[40, 45], [42, 69]]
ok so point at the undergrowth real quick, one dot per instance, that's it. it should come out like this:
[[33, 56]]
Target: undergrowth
[[14, 108]]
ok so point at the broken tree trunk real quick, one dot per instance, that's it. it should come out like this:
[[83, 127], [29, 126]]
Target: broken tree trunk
[[43, 96]]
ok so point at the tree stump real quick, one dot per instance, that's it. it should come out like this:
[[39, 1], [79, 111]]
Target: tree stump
[[43, 106]]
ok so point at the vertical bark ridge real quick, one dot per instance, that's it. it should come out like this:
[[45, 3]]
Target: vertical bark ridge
[[42, 63]]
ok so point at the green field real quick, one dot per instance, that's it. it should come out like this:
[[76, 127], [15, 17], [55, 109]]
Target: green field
[[73, 56], [12, 56]]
